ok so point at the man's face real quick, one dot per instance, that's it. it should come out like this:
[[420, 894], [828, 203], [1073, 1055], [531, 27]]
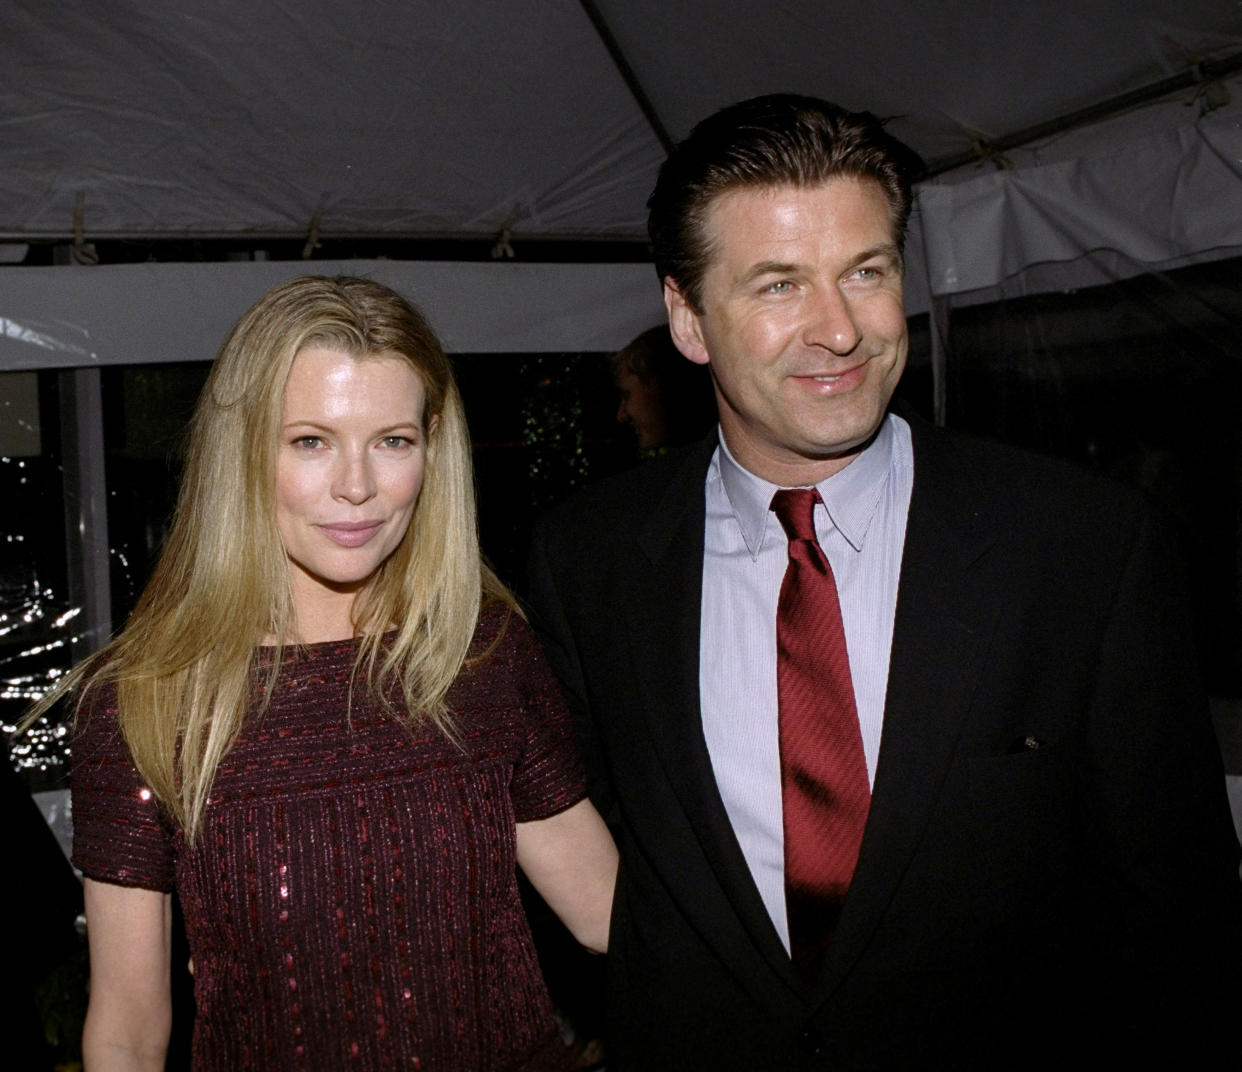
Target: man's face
[[802, 324], [641, 408]]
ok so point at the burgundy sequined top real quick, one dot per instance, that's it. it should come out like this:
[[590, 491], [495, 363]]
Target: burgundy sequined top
[[351, 901]]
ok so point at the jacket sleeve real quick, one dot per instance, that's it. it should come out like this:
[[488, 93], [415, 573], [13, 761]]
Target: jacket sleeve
[[1158, 838], [549, 608]]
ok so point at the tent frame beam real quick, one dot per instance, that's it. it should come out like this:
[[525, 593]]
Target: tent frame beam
[[1198, 74], [604, 32]]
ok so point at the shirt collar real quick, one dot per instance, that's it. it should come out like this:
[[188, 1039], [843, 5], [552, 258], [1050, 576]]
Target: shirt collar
[[850, 496]]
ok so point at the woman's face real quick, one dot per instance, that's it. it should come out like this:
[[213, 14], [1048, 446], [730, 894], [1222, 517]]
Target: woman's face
[[348, 471]]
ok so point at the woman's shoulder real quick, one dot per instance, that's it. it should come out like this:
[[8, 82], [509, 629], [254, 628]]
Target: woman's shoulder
[[501, 629], [96, 721], [505, 648]]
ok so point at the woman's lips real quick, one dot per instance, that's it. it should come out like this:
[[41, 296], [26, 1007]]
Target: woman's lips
[[351, 533]]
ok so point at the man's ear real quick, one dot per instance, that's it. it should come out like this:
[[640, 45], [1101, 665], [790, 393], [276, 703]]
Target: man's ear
[[683, 325]]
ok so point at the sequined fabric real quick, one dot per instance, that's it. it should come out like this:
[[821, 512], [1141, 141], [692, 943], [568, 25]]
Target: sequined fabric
[[352, 902]]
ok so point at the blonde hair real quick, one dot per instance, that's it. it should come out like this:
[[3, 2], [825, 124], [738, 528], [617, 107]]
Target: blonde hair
[[182, 665]]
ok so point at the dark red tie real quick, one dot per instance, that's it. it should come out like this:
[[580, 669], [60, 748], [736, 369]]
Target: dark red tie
[[823, 770]]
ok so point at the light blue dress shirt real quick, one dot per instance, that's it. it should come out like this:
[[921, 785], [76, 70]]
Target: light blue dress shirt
[[862, 529]]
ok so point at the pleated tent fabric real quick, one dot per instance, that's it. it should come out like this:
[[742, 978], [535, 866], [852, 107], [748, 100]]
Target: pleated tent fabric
[[404, 117], [548, 119]]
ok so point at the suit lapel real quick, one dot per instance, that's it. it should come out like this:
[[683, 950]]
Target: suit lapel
[[665, 612], [946, 613]]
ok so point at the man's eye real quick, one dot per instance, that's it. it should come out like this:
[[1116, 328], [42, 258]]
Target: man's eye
[[782, 286], [871, 272]]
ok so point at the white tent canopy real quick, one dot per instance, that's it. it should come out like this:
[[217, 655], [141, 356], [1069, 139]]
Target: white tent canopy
[[548, 118]]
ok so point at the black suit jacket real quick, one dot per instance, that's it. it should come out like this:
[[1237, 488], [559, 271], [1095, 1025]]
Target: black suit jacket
[[1048, 871]]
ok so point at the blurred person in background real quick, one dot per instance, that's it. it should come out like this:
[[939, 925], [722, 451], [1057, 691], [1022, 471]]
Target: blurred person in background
[[665, 399]]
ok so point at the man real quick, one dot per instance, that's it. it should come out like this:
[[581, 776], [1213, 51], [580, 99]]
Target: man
[[665, 399], [989, 831]]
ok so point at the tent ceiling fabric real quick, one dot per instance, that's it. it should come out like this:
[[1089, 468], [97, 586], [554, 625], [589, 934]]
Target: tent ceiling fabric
[[398, 117], [942, 72], [252, 116]]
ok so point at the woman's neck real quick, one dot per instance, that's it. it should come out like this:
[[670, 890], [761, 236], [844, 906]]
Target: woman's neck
[[320, 612]]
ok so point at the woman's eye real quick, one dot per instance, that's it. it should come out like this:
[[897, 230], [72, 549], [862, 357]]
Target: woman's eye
[[307, 442], [394, 442]]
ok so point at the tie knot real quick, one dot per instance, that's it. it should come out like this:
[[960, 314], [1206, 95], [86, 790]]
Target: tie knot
[[795, 510]]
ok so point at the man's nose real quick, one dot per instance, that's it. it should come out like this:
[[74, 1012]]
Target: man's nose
[[354, 480], [831, 322]]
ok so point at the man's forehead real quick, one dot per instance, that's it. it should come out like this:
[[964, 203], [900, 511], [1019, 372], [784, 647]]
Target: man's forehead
[[751, 199], [742, 219]]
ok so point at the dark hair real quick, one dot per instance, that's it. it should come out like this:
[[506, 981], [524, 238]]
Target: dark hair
[[649, 355], [777, 140]]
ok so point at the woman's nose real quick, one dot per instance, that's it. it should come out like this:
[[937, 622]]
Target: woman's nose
[[353, 481]]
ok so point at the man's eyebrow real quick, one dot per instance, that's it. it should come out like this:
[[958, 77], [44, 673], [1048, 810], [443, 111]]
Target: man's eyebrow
[[766, 268], [886, 249]]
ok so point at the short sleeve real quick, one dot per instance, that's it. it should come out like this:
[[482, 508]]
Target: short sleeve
[[119, 834], [548, 776]]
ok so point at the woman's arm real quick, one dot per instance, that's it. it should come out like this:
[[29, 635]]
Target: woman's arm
[[129, 1016], [571, 860]]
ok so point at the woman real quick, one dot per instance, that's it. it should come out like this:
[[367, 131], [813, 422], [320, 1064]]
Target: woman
[[335, 735]]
